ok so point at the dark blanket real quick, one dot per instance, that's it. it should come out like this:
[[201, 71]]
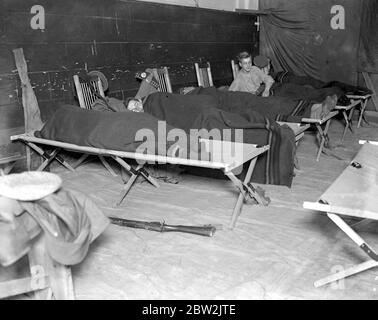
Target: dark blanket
[[349, 89], [107, 130], [304, 87], [289, 77], [305, 92], [204, 111], [275, 108]]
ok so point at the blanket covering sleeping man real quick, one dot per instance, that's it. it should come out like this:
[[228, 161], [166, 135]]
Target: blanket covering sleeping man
[[117, 131], [203, 108]]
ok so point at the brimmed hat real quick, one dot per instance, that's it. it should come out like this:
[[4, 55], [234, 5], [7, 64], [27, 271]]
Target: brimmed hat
[[29, 186], [260, 61], [93, 75]]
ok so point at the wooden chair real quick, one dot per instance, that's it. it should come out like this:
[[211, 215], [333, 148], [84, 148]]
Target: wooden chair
[[204, 77], [162, 77], [87, 93], [235, 68]]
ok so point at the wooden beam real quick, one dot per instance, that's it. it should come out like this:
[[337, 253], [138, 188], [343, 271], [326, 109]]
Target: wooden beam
[[32, 114], [19, 286], [29, 101]]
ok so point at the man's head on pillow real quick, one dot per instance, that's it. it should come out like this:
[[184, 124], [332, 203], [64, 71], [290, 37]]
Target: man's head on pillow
[[135, 105]]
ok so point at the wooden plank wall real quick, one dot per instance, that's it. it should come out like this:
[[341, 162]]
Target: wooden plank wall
[[115, 37]]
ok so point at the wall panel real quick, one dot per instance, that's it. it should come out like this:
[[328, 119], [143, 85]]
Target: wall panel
[[117, 38]]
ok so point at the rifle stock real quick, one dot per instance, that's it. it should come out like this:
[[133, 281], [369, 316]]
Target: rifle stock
[[205, 230]]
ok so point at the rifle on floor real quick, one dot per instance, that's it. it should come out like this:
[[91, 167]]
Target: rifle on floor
[[205, 230]]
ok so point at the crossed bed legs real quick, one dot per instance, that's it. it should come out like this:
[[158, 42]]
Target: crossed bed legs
[[246, 190], [373, 262]]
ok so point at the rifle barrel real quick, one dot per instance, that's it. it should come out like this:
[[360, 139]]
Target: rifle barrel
[[206, 230]]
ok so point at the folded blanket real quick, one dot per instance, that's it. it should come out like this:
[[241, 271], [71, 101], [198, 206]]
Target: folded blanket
[[244, 103]]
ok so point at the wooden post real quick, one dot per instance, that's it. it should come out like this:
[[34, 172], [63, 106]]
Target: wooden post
[[30, 104]]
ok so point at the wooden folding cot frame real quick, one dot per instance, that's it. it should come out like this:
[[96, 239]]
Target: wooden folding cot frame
[[322, 125], [246, 189], [347, 112], [355, 101], [353, 193], [347, 117], [323, 132], [362, 100]]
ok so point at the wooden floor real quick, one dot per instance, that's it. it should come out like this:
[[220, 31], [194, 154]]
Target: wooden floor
[[275, 252]]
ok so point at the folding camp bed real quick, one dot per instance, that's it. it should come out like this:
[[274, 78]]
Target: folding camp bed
[[326, 121], [347, 112], [353, 193], [219, 158], [363, 100]]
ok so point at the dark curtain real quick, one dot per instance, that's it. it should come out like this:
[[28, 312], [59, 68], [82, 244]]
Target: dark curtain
[[286, 35], [368, 51]]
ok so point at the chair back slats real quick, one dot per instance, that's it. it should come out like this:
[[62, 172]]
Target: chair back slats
[[162, 76], [205, 79], [235, 68], [86, 92], [204, 76], [162, 84]]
